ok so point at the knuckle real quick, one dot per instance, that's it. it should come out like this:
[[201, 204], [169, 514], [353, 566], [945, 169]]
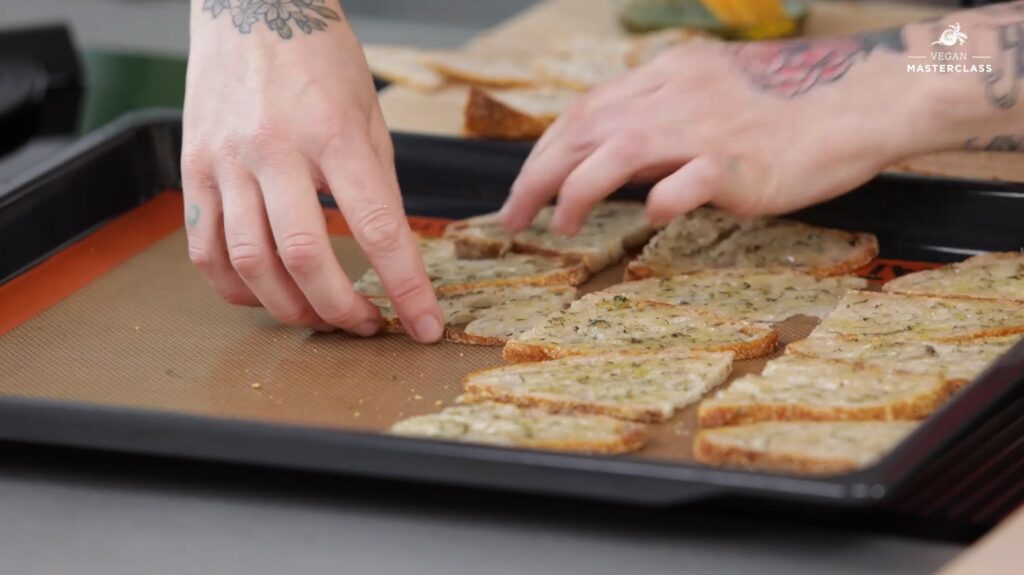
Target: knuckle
[[632, 147], [579, 136], [293, 315], [378, 228], [301, 252], [200, 256], [344, 313], [248, 258], [267, 143], [407, 288], [228, 150], [237, 296], [194, 162]]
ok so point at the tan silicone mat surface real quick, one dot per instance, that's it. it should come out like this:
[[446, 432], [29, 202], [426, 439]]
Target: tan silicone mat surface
[[152, 334]]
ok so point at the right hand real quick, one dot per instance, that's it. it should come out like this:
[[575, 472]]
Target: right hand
[[268, 122]]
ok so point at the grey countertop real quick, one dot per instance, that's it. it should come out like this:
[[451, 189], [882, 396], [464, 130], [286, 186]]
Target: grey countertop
[[79, 513], [62, 513]]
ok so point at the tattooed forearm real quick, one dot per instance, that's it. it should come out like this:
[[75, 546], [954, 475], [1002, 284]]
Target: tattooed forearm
[[1003, 143], [278, 15], [792, 68], [1003, 83]]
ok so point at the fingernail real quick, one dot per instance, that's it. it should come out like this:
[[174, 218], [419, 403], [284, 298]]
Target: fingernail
[[366, 329], [428, 328]]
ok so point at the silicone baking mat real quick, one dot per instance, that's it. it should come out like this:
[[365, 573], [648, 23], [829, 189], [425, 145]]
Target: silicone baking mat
[[123, 319]]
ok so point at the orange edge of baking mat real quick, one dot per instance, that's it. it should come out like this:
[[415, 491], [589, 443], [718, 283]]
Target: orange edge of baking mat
[[114, 243], [127, 235]]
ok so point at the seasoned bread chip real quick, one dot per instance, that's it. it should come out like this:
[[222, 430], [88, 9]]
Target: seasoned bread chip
[[796, 388], [482, 69], [513, 314], [511, 426], [403, 66], [449, 274], [988, 276], [959, 363], [709, 238], [897, 317], [817, 448], [492, 312], [639, 387], [611, 230], [519, 114], [602, 323], [751, 294]]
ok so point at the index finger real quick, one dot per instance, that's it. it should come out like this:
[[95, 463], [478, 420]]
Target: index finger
[[372, 206]]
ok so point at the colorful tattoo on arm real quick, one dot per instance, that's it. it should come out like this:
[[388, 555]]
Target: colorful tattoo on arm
[[792, 68]]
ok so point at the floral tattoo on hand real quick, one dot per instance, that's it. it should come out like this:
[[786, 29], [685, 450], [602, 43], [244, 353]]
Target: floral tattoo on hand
[[278, 15]]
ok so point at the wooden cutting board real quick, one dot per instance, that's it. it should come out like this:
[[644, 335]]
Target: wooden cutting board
[[441, 113]]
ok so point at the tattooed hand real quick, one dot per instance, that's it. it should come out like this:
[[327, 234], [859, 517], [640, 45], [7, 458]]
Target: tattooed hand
[[769, 127], [280, 105], [697, 120]]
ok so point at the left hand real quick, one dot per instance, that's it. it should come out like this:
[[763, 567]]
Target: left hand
[[713, 125]]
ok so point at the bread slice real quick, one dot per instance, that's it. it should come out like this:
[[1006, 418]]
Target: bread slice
[[581, 62], [602, 323], [611, 230], [492, 311], [795, 388], [681, 241], [403, 66], [959, 363], [488, 70], [897, 317], [515, 313], [988, 276], [639, 387], [813, 448], [708, 238], [511, 426], [646, 47], [449, 274], [751, 294], [517, 114]]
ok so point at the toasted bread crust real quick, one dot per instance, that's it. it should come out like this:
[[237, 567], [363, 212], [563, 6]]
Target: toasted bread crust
[[636, 270], [486, 117], [477, 393], [866, 250], [459, 335], [708, 452], [628, 442], [574, 274], [712, 415], [519, 352], [898, 285], [458, 73]]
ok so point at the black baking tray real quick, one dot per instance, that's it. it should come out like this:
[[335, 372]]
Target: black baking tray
[[962, 465]]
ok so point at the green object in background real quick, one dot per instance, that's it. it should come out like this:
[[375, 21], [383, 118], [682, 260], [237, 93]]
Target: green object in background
[[117, 83]]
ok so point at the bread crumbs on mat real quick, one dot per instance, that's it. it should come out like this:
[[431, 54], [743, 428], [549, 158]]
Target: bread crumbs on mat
[[417, 397], [439, 403], [255, 386], [356, 414]]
